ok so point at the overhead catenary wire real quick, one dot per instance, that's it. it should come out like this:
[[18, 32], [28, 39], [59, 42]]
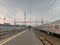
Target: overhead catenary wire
[[5, 17], [49, 6], [5, 9], [5, 14], [43, 9]]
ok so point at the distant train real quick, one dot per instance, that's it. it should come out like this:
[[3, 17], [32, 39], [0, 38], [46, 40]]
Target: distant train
[[8, 27], [51, 28]]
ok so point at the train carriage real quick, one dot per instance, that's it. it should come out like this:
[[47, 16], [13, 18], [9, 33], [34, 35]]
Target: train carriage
[[51, 28]]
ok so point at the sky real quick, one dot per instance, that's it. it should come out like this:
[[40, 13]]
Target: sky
[[49, 10]]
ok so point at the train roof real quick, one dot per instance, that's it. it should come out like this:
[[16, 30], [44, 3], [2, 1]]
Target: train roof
[[55, 22]]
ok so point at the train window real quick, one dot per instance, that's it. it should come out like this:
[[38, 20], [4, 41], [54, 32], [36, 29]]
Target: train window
[[56, 26]]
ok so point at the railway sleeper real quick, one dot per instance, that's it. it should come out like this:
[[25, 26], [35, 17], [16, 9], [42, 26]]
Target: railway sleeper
[[44, 41]]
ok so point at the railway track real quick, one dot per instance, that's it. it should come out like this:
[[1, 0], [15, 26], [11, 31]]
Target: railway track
[[8, 34], [47, 39]]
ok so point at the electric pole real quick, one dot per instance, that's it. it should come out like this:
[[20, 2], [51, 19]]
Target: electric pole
[[14, 24], [42, 21], [25, 19], [36, 22], [4, 19]]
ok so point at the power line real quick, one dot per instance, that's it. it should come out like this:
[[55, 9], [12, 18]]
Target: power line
[[50, 6], [6, 15], [4, 6], [5, 9], [45, 7]]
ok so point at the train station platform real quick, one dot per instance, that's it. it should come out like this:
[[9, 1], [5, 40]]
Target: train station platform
[[24, 38]]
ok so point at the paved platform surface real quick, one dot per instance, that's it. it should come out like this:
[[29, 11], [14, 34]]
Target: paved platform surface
[[27, 38]]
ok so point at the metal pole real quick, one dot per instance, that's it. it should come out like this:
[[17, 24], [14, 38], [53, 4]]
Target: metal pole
[[30, 12], [14, 24], [36, 22], [30, 20], [42, 21], [25, 19], [4, 19]]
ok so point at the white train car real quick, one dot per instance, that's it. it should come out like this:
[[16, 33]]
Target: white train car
[[8, 27], [51, 28]]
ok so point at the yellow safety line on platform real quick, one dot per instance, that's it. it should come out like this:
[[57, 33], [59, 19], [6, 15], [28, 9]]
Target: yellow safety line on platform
[[12, 37]]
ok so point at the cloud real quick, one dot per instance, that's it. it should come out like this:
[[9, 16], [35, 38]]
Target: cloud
[[20, 17]]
